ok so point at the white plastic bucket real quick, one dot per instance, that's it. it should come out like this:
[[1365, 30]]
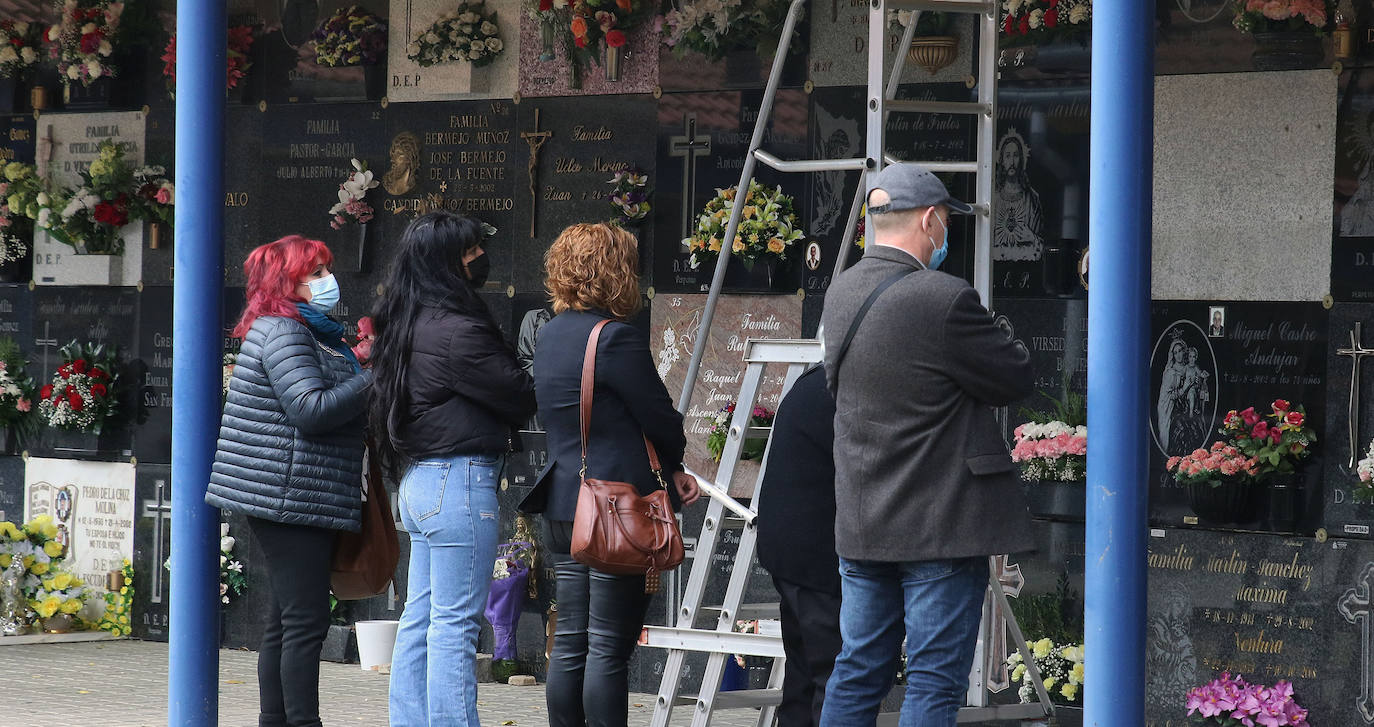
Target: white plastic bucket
[[376, 639]]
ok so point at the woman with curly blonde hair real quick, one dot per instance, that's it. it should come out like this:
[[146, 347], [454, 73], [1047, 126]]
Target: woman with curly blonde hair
[[593, 275]]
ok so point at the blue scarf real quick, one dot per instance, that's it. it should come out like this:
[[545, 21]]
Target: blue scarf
[[328, 332]]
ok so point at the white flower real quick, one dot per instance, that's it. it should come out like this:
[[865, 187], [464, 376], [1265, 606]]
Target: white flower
[[93, 67], [54, 33], [413, 49], [495, 45], [21, 28], [29, 56], [88, 28], [223, 529], [105, 48], [1078, 14], [469, 17], [222, 560], [431, 38], [226, 544], [1037, 17], [74, 71], [488, 27], [43, 199], [8, 55], [45, 218], [475, 55], [477, 45], [465, 29], [236, 566]]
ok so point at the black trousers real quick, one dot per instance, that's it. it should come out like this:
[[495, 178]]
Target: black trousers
[[599, 620], [297, 622], [811, 639]]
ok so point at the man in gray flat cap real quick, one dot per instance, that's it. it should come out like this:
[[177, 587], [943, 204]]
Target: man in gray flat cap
[[925, 489]]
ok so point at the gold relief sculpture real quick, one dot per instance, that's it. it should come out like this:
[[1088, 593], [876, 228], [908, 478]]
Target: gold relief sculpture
[[404, 173]]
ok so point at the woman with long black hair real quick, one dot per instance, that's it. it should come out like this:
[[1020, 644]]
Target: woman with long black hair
[[447, 398]]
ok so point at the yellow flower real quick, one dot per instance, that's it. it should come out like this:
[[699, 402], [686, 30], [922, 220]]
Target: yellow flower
[[49, 606], [715, 244], [62, 580], [1069, 691], [28, 561], [38, 569], [48, 585], [123, 590], [5, 560], [1018, 672], [53, 549], [7, 529], [749, 211], [76, 582], [1049, 683], [71, 606], [1076, 674], [775, 246], [728, 194], [1042, 647], [739, 244], [50, 530]]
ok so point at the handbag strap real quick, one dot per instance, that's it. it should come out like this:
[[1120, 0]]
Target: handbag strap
[[863, 311], [585, 404]]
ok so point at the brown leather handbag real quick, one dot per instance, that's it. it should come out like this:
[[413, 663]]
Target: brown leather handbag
[[365, 562], [617, 530]]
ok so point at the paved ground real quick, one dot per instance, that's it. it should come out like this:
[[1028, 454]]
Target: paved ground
[[124, 684]]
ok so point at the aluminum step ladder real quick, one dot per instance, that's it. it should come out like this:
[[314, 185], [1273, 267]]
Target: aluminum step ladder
[[723, 511]]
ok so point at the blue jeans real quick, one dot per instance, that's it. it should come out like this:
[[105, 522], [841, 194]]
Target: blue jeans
[[942, 602], [449, 508]]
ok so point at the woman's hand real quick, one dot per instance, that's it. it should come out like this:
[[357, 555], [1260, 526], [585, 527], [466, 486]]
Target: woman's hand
[[686, 488]]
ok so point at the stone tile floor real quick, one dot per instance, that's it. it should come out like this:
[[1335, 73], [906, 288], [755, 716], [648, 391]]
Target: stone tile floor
[[124, 684]]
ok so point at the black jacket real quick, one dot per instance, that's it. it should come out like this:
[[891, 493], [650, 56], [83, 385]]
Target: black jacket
[[629, 399], [797, 501], [291, 438], [466, 391]]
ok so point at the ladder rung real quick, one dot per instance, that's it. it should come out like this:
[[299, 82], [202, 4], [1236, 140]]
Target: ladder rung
[[914, 106], [943, 6], [739, 699], [938, 167], [751, 610], [757, 432], [763, 350], [724, 642], [810, 165]]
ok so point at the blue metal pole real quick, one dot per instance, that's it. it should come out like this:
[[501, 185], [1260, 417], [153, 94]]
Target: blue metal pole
[[1118, 360], [193, 698]]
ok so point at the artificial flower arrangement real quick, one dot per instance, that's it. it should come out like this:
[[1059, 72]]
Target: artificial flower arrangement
[[367, 335], [1061, 671], [82, 394], [351, 36], [36, 547], [352, 206], [229, 361], [154, 195], [83, 40], [1276, 447], [91, 216], [1231, 701], [1278, 16], [713, 28], [1053, 447], [597, 23], [119, 605], [629, 196], [1210, 466], [240, 43], [16, 390], [15, 226], [59, 592], [720, 430], [232, 580], [467, 33], [768, 226], [1037, 22], [20, 43]]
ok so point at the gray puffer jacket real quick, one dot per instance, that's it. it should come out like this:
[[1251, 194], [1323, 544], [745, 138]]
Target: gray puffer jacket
[[291, 440]]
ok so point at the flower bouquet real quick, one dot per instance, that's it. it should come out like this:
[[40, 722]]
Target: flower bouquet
[[1061, 670], [232, 581], [153, 196], [20, 43], [351, 36], [713, 28], [119, 605], [367, 336], [93, 215], [35, 546], [1040, 22], [1282, 16], [601, 26], [81, 396], [509, 587], [16, 391], [467, 33], [240, 43], [352, 207], [59, 592], [83, 40], [1208, 467], [720, 431], [768, 226], [1231, 701], [15, 226], [629, 196], [1277, 448], [1051, 452]]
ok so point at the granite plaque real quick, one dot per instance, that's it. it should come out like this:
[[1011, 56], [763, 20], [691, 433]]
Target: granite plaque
[[546, 71], [839, 47], [1349, 426], [454, 80], [12, 489], [152, 359], [152, 548]]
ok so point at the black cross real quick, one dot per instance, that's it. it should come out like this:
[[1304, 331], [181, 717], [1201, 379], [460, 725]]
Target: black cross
[[47, 342], [159, 509], [689, 147]]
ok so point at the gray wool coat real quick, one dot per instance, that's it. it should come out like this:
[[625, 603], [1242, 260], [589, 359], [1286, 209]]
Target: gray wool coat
[[291, 439], [921, 469]]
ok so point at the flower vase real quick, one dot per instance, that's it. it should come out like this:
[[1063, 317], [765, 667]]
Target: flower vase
[[933, 53], [95, 95], [361, 238], [10, 90], [58, 623], [1287, 51], [740, 277], [546, 37], [1225, 501], [374, 80], [1059, 501], [38, 97], [1283, 500], [154, 235], [574, 75], [610, 61]]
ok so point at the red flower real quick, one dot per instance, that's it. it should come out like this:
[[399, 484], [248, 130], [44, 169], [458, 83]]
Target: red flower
[[1051, 15], [1275, 435], [90, 43], [545, 5], [115, 214], [1260, 431], [1023, 27], [1294, 418], [99, 390], [578, 26], [1281, 405], [46, 392], [1249, 416], [1297, 448], [1232, 419], [1009, 27], [581, 41], [80, 366], [17, 42], [615, 38], [98, 374], [76, 401], [65, 372]]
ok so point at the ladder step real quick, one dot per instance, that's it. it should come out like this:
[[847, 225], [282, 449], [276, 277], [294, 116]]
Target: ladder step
[[939, 167], [739, 699], [973, 715], [810, 165], [748, 611], [944, 6], [724, 642], [913, 106]]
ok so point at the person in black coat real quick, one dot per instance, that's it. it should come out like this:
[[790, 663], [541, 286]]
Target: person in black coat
[[447, 399], [290, 457], [797, 543], [593, 276]]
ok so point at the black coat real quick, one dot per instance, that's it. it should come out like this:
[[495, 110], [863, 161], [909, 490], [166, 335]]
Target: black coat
[[467, 393], [629, 402], [797, 500], [291, 438]]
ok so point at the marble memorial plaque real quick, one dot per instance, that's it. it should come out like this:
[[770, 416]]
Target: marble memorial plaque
[[839, 47], [455, 80], [702, 141], [1056, 334], [575, 165], [1349, 504], [545, 70], [66, 146], [1199, 371], [152, 548], [92, 504], [674, 326]]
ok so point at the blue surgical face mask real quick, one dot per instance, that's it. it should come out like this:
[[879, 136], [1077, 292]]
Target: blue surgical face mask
[[938, 254], [324, 293]]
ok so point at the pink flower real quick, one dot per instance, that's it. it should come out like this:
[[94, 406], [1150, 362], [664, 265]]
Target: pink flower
[[1173, 463], [23, 405], [1249, 416], [163, 196]]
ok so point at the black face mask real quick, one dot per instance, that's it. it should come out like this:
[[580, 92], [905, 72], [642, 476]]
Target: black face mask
[[478, 270]]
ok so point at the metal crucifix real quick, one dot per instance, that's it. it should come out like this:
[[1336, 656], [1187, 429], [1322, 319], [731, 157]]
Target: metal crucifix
[[1356, 352], [535, 139]]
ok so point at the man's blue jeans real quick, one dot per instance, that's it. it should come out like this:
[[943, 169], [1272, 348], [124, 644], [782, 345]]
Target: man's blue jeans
[[937, 605]]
